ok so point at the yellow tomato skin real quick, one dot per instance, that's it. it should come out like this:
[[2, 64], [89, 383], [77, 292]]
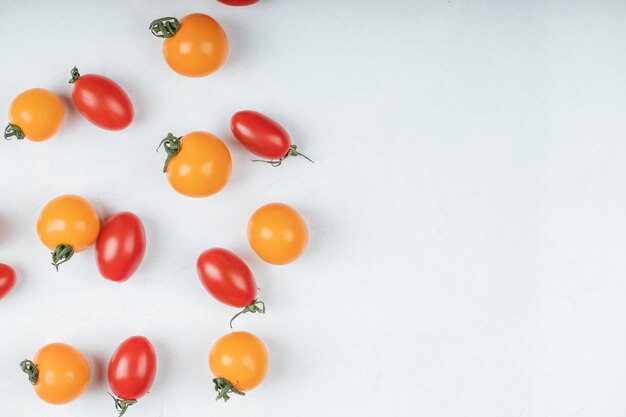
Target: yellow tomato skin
[[68, 220], [63, 373], [277, 233], [38, 113], [198, 48], [202, 167], [241, 358]]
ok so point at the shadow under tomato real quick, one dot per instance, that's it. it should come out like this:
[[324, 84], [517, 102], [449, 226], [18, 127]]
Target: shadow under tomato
[[70, 113], [4, 229], [316, 232], [278, 360], [164, 366], [98, 371], [151, 257], [238, 41]]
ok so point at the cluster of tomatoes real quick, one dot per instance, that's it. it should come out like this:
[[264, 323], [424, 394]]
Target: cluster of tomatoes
[[198, 164]]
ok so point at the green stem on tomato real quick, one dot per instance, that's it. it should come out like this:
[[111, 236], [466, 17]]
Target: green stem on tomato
[[30, 369], [253, 307], [62, 253], [171, 144], [75, 75], [293, 151], [13, 131], [122, 405], [225, 387], [164, 27]]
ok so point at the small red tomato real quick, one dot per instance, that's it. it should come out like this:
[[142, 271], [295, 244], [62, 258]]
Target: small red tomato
[[101, 101], [120, 247], [263, 136], [7, 279], [238, 2], [227, 278], [131, 371]]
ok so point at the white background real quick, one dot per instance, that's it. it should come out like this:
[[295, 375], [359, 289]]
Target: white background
[[467, 208]]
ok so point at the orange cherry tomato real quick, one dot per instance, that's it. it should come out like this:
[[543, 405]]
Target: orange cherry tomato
[[239, 362], [36, 114], [198, 164], [59, 373], [196, 46], [277, 233], [66, 225]]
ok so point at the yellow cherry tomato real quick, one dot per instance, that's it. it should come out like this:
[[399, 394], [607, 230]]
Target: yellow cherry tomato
[[277, 233], [36, 114], [59, 373], [239, 362], [66, 225], [198, 164], [196, 46]]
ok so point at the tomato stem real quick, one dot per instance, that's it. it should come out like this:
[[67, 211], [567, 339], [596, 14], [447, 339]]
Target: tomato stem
[[13, 131], [293, 151], [122, 405], [253, 307], [75, 75], [224, 387], [171, 144], [61, 254], [30, 369], [164, 27]]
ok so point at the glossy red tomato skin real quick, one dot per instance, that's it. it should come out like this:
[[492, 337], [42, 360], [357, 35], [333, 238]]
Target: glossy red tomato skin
[[103, 102], [226, 277], [121, 246], [239, 2], [7, 280], [132, 368], [261, 135]]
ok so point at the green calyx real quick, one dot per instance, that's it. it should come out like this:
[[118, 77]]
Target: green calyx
[[164, 27], [61, 254], [13, 131], [293, 151], [122, 405], [224, 387], [75, 75], [171, 144], [30, 369], [255, 306]]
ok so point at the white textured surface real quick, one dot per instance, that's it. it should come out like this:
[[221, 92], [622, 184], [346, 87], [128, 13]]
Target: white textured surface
[[467, 207]]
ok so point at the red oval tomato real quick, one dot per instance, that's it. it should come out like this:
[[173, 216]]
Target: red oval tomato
[[131, 371], [227, 278], [263, 136], [260, 135], [120, 247], [238, 2], [101, 101], [7, 279]]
